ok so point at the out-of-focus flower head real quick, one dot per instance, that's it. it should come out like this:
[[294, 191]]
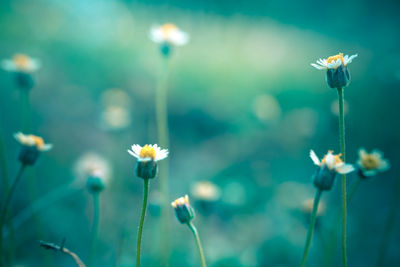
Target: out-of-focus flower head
[[337, 76], [91, 165], [168, 35], [32, 140], [95, 182], [329, 166], [370, 164], [116, 113], [21, 63], [32, 145], [206, 191], [184, 212], [115, 117], [148, 155], [23, 66]]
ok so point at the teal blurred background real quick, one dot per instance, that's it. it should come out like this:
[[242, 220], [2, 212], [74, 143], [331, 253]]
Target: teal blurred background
[[245, 107]]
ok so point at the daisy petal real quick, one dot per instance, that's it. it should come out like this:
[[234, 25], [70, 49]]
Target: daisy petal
[[345, 168], [314, 158]]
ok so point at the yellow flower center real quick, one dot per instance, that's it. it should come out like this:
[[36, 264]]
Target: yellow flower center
[[168, 29], [147, 152], [335, 58], [39, 142], [370, 162], [21, 61], [338, 160]]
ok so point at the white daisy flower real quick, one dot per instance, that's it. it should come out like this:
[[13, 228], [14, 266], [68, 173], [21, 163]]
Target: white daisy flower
[[21, 63], [168, 33], [148, 152], [333, 62], [32, 140], [333, 162], [372, 163]]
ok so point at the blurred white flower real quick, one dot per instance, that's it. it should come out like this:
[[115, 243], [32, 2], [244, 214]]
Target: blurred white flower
[[372, 163], [32, 140], [115, 117], [333, 162], [21, 63], [92, 164], [333, 62], [148, 152], [168, 33], [205, 190]]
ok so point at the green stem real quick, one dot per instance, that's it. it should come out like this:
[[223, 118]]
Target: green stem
[[344, 197], [5, 185], [389, 224], [3, 165], [198, 243], [6, 206], [26, 125], [163, 139], [143, 214], [311, 227], [95, 228], [336, 222]]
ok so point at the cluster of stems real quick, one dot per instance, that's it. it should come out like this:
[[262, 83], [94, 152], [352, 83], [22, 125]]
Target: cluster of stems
[[344, 193]]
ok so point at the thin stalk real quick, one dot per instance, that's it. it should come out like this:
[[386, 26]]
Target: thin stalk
[[344, 197], [389, 224], [33, 194], [26, 126], [4, 211], [5, 185], [95, 228], [163, 139], [25, 106], [311, 227], [143, 214], [54, 247], [3, 165], [336, 222], [198, 243]]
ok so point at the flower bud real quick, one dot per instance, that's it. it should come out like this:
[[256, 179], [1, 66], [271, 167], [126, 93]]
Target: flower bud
[[338, 78], [166, 49], [183, 211], [146, 169], [24, 80], [324, 178], [95, 183], [28, 155]]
